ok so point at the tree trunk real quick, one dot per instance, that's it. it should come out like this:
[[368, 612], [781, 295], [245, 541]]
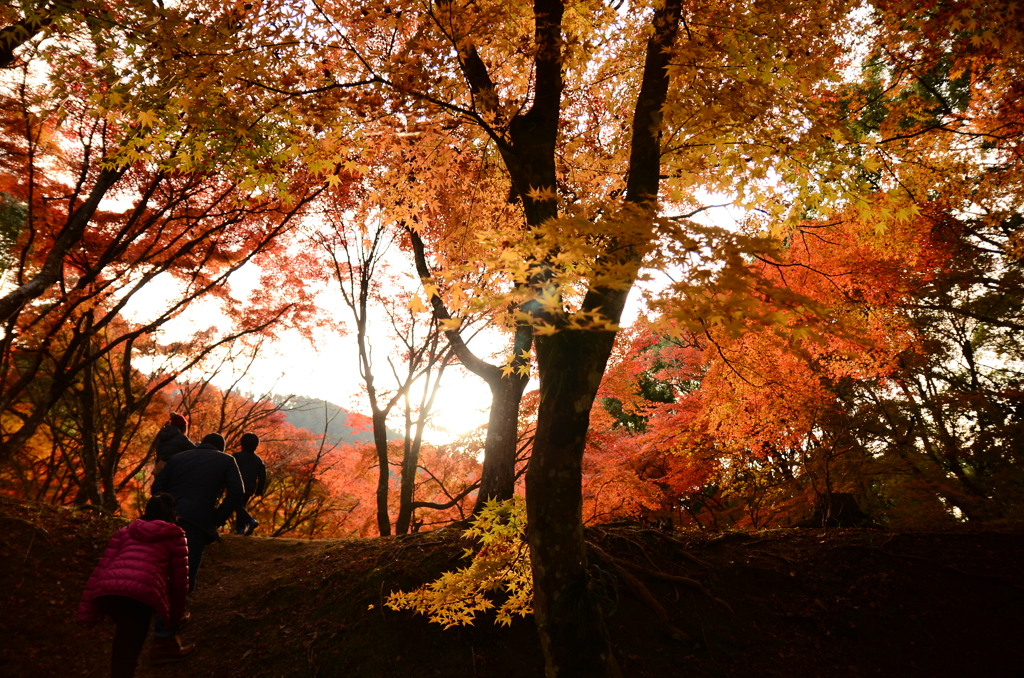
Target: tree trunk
[[89, 490], [571, 364], [410, 465], [569, 619], [498, 477], [380, 441]]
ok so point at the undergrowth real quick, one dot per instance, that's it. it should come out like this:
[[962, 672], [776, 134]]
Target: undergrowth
[[498, 577]]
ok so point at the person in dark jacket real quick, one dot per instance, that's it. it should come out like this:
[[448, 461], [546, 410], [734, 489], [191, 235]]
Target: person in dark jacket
[[254, 477], [144, 570], [197, 478], [170, 440]]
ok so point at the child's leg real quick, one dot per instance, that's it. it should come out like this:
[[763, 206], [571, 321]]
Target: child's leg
[[132, 618]]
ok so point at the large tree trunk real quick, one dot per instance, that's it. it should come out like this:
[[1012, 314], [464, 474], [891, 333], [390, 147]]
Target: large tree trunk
[[569, 620], [571, 364]]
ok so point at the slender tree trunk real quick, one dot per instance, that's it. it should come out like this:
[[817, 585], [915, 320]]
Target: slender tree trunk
[[498, 477], [111, 461], [89, 490], [410, 464], [380, 441]]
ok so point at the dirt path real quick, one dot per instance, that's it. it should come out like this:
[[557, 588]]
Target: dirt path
[[234, 571]]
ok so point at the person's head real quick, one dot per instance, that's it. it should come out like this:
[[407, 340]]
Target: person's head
[[161, 507], [180, 421], [214, 439], [250, 441]]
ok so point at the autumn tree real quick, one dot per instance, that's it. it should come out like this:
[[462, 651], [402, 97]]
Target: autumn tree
[[96, 126], [357, 247], [587, 109], [940, 104], [113, 69]]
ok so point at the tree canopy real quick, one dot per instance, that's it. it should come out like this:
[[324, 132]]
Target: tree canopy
[[854, 333]]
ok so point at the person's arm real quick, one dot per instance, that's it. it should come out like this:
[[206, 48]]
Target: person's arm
[[235, 492], [177, 584], [261, 478], [162, 480], [89, 613]]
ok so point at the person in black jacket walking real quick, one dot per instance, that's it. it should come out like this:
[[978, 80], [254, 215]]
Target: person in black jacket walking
[[196, 478], [254, 477], [170, 440]]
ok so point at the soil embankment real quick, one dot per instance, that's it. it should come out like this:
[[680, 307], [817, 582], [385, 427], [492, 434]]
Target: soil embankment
[[781, 602]]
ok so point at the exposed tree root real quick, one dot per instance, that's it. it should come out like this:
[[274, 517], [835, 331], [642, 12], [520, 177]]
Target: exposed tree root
[[729, 536], [664, 576], [641, 592], [37, 528], [768, 554], [680, 549]]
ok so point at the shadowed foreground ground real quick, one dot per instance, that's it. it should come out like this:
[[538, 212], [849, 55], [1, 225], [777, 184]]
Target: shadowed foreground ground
[[789, 603]]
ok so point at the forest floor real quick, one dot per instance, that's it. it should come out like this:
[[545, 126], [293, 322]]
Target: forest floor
[[793, 602]]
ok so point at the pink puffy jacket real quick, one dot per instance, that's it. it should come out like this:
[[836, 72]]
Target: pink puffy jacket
[[147, 561]]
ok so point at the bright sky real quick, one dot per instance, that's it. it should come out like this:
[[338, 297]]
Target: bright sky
[[329, 368], [330, 371]]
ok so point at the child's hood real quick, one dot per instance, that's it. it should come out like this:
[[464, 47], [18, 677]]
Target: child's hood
[[153, 530]]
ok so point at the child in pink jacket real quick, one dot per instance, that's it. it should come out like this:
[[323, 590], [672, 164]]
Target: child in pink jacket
[[144, 570]]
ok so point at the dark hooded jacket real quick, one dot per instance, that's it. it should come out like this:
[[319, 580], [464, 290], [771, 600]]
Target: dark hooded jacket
[[254, 472], [197, 478], [170, 441]]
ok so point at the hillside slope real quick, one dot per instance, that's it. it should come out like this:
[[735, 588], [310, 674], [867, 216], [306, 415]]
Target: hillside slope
[[790, 603], [341, 426]]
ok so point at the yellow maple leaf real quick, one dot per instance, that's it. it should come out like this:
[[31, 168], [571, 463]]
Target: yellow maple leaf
[[416, 305], [146, 118], [541, 193]]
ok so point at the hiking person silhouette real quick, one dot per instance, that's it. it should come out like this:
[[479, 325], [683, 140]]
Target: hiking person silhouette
[[197, 478], [170, 440], [143, 571], [254, 477]]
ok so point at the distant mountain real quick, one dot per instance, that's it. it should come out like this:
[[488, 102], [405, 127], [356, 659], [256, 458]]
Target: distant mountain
[[312, 414]]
